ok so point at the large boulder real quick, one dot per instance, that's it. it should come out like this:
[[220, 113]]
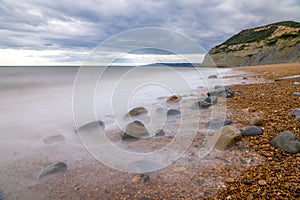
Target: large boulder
[[228, 137], [286, 141], [137, 111], [134, 130], [252, 131], [53, 169], [217, 123]]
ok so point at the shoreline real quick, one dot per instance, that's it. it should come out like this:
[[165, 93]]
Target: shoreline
[[194, 178]]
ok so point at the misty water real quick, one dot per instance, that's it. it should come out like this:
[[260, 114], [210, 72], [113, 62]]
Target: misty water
[[36, 103]]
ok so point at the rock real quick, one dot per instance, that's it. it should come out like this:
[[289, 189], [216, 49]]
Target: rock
[[252, 131], [296, 83], [53, 169], [286, 141], [137, 111], [229, 180], [54, 139], [134, 130], [205, 102], [141, 179], [297, 94], [245, 78], [174, 98], [228, 137], [296, 77], [92, 125], [224, 91], [262, 182], [160, 132], [296, 112], [247, 182], [173, 112], [255, 121], [212, 76], [217, 123]]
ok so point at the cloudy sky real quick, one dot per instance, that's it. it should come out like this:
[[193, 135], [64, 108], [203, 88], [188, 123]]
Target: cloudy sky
[[47, 32]]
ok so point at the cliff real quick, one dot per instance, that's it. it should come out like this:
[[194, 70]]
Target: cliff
[[273, 43]]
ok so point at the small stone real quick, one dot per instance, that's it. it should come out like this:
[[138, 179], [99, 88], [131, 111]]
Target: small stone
[[255, 121], [229, 180], [134, 130], [228, 137], [137, 111], [212, 76], [160, 133], [173, 98], [286, 141], [53, 169], [141, 179], [296, 83], [173, 112], [262, 182], [247, 182], [252, 131], [297, 94]]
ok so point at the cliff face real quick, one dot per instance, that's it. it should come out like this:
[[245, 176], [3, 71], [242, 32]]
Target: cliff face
[[273, 43]]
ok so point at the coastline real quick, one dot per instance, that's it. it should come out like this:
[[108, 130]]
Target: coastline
[[193, 178]]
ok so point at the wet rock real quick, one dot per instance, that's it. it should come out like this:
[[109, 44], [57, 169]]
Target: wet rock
[[297, 94], [252, 131], [217, 123], [134, 130], [205, 102], [137, 111], [255, 121], [212, 76], [286, 141], [53, 139], [53, 169], [141, 179], [225, 91], [228, 137], [160, 133], [174, 98], [173, 112], [296, 77], [92, 125]]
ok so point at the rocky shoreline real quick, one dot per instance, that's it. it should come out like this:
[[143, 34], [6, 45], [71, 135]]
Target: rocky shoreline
[[248, 166]]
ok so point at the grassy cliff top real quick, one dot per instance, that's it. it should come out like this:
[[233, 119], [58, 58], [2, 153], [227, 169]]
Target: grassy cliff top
[[262, 33]]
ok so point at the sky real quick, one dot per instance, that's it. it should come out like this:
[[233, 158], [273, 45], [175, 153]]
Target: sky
[[66, 32]]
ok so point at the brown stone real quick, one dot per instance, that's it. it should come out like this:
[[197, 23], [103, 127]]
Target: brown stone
[[262, 182], [174, 98], [255, 121], [228, 137]]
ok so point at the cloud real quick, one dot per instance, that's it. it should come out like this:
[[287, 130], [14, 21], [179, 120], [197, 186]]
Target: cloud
[[80, 26]]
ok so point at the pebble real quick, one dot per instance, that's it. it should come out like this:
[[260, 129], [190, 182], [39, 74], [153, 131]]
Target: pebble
[[141, 179], [297, 94], [255, 121], [247, 182], [296, 83], [160, 132], [229, 180], [252, 131], [262, 182]]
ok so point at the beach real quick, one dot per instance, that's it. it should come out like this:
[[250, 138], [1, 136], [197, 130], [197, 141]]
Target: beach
[[219, 175]]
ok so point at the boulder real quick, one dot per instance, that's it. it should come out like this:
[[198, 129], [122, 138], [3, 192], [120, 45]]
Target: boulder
[[252, 131], [296, 77], [92, 125], [297, 94], [174, 98], [134, 130], [53, 169], [137, 111], [173, 112], [217, 123], [255, 121], [159, 133], [54, 139], [228, 137], [286, 141], [212, 76]]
